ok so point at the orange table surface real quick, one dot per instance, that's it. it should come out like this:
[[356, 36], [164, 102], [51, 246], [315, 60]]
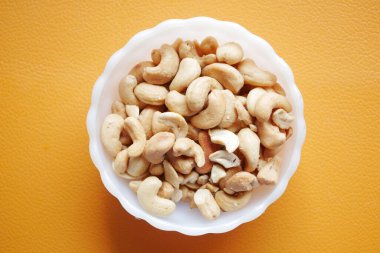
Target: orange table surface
[[51, 196]]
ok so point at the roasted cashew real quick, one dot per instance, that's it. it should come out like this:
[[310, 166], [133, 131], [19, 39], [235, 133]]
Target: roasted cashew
[[255, 76], [226, 75], [217, 173], [213, 114], [165, 71], [198, 90], [110, 134], [230, 115], [282, 119], [208, 148], [188, 147], [270, 172], [242, 181], [206, 204], [242, 113], [188, 70], [209, 45], [230, 53], [118, 108], [187, 49], [136, 131], [148, 199], [137, 166], [171, 175], [225, 138], [137, 70], [270, 135], [146, 118], [176, 122], [183, 165], [176, 102], [252, 98], [230, 203], [224, 158], [132, 111], [156, 169], [250, 147], [126, 91], [151, 94], [157, 146], [268, 102]]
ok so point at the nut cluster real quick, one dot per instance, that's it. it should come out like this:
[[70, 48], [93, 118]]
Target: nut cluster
[[199, 124]]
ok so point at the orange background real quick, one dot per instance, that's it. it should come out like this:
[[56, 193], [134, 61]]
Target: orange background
[[51, 196]]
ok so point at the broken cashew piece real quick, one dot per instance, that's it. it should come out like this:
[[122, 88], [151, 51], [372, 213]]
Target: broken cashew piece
[[157, 146], [270, 172], [150, 201], [250, 147], [171, 175], [252, 98], [110, 134], [146, 117], [136, 131], [206, 204], [217, 173], [226, 75], [230, 203], [118, 108], [187, 49], [137, 166], [213, 114], [282, 119], [230, 115], [209, 45], [188, 71], [268, 102], [188, 147], [225, 138], [151, 94], [230, 53], [126, 91], [270, 135], [224, 158], [255, 76], [137, 70], [176, 102], [176, 122], [242, 113], [165, 71], [242, 181]]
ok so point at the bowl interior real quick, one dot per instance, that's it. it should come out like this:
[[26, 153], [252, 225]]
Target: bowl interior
[[138, 49]]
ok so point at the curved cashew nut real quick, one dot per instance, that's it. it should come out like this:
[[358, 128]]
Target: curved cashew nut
[[119, 165], [270, 172], [242, 113], [282, 119], [188, 147], [198, 90], [176, 102], [137, 166], [208, 148], [136, 131], [126, 88], [150, 201], [206, 204], [230, 115], [250, 147], [225, 74], [187, 49], [242, 181], [157, 126], [232, 203], [270, 135], [137, 70], [156, 55], [224, 158], [146, 117], [118, 108], [151, 94], [252, 98], [213, 114], [110, 134], [157, 146], [268, 102], [255, 76], [171, 175], [165, 71], [188, 70], [230, 53], [225, 138], [176, 122], [209, 45]]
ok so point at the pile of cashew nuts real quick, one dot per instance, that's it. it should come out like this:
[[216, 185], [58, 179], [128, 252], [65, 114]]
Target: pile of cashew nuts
[[197, 123]]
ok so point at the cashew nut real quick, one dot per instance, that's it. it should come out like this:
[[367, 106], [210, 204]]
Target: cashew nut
[[208, 148], [206, 204], [132, 111], [230, 53], [229, 174], [176, 102], [268, 102], [225, 138], [202, 180], [110, 134], [198, 90], [134, 185], [146, 117], [165, 71], [156, 169], [209, 45], [282, 119], [126, 88], [270, 172], [187, 49], [150, 201], [230, 203], [225, 74], [191, 178], [250, 147], [255, 76], [252, 98], [213, 114], [192, 133], [242, 181], [157, 146], [242, 113], [137, 133], [137, 70], [217, 173], [176, 122], [151, 94], [224, 158], [166, 190], [230, 115], [118, 108], [183, 165], [270, 135], [188, 70], [171, 175], [188, 147], [137, 166], [120, 163], [157, 126]]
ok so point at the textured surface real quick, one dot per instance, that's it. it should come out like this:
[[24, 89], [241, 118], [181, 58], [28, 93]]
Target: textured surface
[[51, 196]]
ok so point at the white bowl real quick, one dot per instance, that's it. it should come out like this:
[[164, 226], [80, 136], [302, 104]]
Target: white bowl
[[185, 220]]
